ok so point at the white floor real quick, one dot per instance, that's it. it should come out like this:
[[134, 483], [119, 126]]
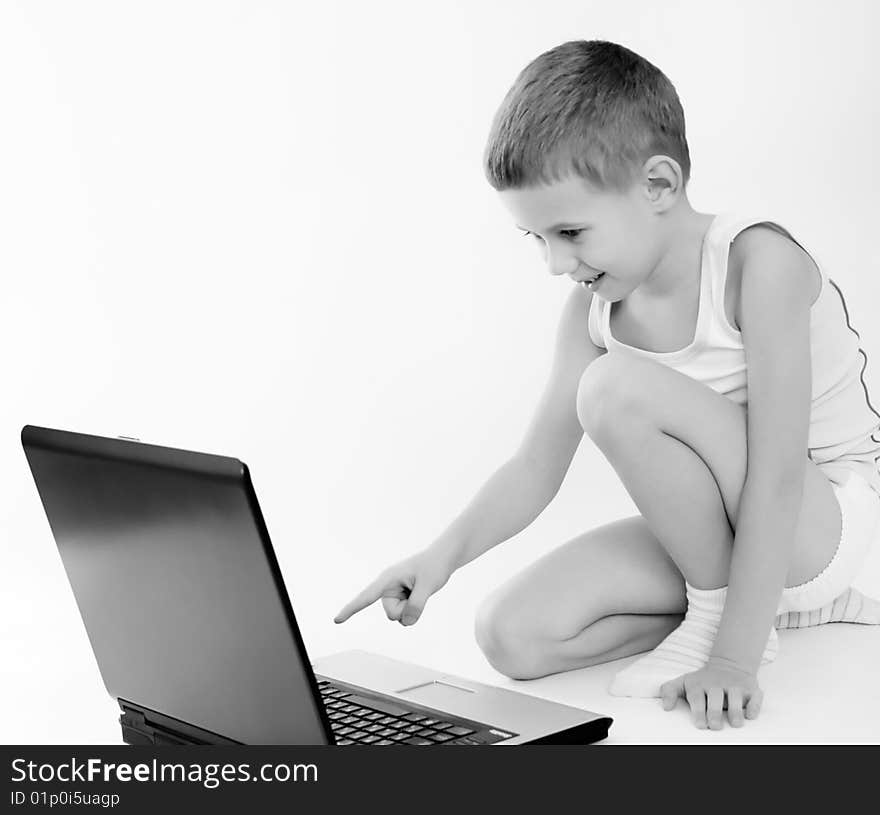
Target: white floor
[[823, 688]]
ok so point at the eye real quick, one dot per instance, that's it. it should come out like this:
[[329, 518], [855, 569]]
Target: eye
[[571, 234]]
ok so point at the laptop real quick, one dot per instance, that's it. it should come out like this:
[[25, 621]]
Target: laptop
[[195, 635]]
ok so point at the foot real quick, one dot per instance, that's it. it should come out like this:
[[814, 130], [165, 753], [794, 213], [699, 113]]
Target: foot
[[685, 650]]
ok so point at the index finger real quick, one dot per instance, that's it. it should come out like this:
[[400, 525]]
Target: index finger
[[368, 596]]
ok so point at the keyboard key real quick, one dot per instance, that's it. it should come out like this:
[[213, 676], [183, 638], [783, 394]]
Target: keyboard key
[[386, 741], [426, 733], [388, 731], [416, 740], [414, 717], [357, 734], [399, 737], [460, 731], [443, 737]]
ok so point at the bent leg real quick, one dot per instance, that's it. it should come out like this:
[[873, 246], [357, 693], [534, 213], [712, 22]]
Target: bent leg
[[680, 450], [606, 594]]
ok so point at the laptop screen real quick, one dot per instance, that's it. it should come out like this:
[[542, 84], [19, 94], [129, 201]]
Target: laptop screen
[[177, 583]]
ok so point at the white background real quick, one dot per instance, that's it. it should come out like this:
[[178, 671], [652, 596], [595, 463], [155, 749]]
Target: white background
[[262, 230]]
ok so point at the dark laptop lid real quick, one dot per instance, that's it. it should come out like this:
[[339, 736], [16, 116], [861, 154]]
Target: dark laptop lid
[[177, 584]]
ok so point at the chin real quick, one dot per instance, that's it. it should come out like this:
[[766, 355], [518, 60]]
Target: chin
[[608, 296]]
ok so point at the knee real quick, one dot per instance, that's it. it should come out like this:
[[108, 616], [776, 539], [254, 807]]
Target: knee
[[609, 390], [507, 646]]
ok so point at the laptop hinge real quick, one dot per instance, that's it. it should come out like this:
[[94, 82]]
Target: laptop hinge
[[143, 726]]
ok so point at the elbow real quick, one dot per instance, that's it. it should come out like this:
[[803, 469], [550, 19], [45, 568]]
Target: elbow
[[777, 472], [791, 476], [780, 481], [791, 486], [550, 477]]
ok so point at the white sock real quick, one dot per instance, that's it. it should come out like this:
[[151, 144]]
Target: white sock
[[686, 649], [851, 607]]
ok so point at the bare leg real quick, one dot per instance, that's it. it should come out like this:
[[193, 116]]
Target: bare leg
[[613, 637], [675, 456], [608, 593], [682, 458]]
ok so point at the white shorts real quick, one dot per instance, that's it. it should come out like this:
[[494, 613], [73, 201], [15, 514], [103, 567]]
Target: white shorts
[[860, 513]]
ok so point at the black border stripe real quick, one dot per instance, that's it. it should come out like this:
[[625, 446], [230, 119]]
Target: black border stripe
[[862, 352]]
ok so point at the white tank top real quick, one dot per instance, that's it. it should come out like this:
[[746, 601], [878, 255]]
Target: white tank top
[[843, 423]]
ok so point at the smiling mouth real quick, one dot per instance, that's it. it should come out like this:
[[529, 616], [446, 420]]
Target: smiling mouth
[[591, 280]]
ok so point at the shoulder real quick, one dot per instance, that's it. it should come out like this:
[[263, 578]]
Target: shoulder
[[574, 320], [766, 262]]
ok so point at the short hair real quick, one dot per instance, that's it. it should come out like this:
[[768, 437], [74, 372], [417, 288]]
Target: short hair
[[588, 107]]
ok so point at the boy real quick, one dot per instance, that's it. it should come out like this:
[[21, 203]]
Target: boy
[[703, 354]]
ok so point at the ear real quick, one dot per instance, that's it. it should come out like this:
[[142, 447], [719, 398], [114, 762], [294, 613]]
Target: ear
[[662, 182]]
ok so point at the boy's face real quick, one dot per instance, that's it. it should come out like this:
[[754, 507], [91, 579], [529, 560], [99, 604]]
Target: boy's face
[[582, 231]]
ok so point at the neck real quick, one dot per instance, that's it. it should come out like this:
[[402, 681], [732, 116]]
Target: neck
[[679, 265]]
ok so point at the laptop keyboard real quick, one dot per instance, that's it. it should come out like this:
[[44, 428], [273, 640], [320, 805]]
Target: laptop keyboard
[[358, 719]]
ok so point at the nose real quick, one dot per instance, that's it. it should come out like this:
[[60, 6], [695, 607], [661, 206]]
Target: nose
[[559, 261]]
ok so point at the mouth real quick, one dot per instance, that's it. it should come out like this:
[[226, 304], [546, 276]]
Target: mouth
[[586, 283]]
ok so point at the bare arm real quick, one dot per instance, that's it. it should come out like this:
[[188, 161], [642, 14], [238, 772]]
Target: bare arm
[[524, 485], [776, 295]]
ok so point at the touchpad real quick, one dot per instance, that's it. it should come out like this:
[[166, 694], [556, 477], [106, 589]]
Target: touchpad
[[437, 694]]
